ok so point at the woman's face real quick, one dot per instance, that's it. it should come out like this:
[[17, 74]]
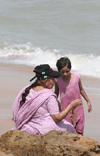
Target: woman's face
[[50, 83], [65, 72]]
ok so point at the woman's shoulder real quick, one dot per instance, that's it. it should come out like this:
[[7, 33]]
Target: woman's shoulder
[[49, 91], [45, 91]]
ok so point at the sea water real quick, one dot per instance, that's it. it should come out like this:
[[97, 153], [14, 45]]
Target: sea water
[[42, 31]]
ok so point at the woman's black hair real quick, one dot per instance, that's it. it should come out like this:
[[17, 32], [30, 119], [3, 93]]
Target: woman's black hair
[[62, 62], [27, 90], [42, 72]]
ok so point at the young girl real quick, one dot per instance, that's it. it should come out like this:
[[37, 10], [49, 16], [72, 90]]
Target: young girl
[[70, 88]]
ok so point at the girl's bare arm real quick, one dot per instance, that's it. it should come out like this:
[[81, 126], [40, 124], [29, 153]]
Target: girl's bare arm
[[83, 93]]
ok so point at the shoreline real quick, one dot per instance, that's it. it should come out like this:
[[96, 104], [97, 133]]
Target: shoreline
[[14, 77]]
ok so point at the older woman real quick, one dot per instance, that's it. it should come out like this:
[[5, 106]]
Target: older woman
[[36, 110]]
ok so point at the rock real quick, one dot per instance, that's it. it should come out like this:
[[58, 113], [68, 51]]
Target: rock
[[3, 154], [53, 143]]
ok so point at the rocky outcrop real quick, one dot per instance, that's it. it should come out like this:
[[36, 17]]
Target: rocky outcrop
[[54, 143], [3, 154]]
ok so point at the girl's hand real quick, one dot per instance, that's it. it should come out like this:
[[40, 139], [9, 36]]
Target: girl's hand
[[76, 102], [89, 107]]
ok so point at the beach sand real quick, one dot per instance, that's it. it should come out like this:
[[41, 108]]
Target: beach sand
[[14, 77]]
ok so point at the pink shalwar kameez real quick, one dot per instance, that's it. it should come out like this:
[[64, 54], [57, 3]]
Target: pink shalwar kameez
[[68, 93], [34, 115]]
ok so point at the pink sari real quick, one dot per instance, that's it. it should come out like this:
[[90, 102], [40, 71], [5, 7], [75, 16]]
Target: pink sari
[[34, 116], [23, 114]]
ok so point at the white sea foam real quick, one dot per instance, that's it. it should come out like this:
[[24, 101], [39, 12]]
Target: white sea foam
[[26, 54], [27, 27]]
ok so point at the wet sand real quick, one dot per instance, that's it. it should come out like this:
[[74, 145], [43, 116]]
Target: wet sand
[[14, 77]]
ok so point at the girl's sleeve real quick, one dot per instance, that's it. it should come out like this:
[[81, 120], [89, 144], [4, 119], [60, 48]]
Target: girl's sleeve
[[52, 106]]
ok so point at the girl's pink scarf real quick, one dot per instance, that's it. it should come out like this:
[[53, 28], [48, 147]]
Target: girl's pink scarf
[[23, 114]]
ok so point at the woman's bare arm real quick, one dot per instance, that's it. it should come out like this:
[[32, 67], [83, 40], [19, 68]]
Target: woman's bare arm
[[58, 117]]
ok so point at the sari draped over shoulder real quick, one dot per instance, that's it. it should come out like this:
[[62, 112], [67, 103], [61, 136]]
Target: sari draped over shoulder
[[34, 116], [22, 115]]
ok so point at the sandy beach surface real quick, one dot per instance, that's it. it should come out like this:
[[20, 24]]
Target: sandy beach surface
[[14, 77]]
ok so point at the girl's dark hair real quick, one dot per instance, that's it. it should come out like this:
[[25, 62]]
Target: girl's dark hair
[[62, 62], [27, 90]]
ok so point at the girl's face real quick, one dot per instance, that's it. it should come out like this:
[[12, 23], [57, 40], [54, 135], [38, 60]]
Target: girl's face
[[50, 83], [65, 72]]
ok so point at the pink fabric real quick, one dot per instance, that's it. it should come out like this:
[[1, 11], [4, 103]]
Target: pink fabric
[[68, 93], [34, 115]]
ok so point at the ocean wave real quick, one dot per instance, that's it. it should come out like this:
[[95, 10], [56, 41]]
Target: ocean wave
[[85, 64]]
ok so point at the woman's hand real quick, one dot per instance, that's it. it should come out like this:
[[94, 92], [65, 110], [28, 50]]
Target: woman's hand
[[76, 102]]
